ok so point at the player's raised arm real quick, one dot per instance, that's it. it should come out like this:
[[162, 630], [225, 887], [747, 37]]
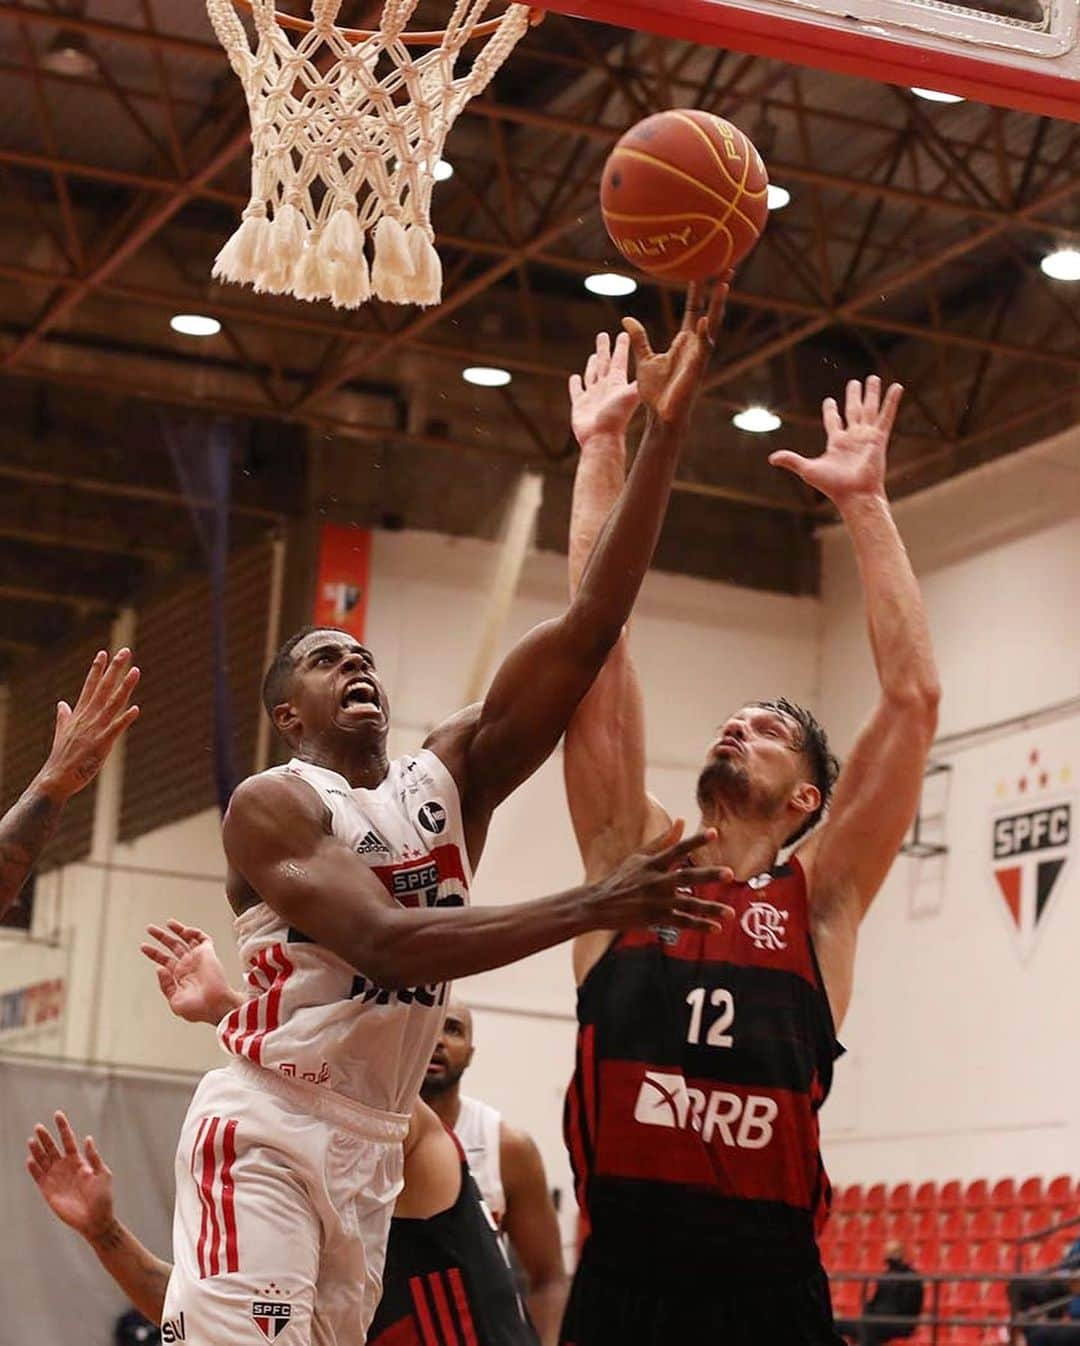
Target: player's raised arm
[[76, 1185], [878, 789], [542, 680], [276, 838], [82, 741]]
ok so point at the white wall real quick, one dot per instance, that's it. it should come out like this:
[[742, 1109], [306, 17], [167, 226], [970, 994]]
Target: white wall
[[702, 648], [962, 1052]]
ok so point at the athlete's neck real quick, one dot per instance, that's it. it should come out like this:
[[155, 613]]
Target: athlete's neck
[[364, 766], [748, 846], [447, 1104]]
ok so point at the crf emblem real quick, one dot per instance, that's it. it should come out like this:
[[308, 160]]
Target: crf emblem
[[765, 925]]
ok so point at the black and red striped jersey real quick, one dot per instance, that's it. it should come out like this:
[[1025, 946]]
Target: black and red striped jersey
[[447, 1281], [702, 1060]]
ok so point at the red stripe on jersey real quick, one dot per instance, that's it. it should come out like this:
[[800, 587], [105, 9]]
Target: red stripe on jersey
[[578, 1158], [588, 1079], [228, 1207], [195, 1154], [241, 1041], [738, 1141], [442, 1307], [461, 1301], [401, 1333], [208, 1257], [232, 1027], [284, 969], [423, 1313]]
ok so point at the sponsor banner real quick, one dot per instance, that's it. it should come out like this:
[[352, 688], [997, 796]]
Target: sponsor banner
[[344, 577], [33, 1008]]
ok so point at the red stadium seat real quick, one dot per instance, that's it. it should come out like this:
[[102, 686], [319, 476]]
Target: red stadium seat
[[926, 1196], [996, 1299], [850, 1198], [900, 1197], [977, 1193], [1003, 1193], [981, 1225], [842, 1257], [1059, 1192], [841, 1226], [846, 1298], [926, 1254], [951, 1194], [1010, 1224], [874, 1200], [1030, 1193], [1037, 1219], [958, 1257], [871, 1256], [876, 1226], [925, 1226], [902, 1225], [952, 1227], [988, 1258]]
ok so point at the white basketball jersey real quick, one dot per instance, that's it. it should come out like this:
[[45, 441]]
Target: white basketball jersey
[[478, 1128], [314, 1017]]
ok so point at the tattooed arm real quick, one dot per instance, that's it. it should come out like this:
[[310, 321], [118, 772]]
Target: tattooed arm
[[82, 741], [77, 1187]]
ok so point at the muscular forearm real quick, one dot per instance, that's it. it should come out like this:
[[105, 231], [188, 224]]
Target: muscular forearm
[[415, 947], [899, 632], [142, 1276], [546, 1304], [624, 550], [600, 476], [25, 831]]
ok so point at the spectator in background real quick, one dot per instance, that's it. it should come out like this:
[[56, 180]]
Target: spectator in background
[[1052, 1291], [132, 1329], [898, 1294]]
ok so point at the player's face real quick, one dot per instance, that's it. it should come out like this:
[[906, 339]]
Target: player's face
[[452, 1053], [336, 688], [755, 762]]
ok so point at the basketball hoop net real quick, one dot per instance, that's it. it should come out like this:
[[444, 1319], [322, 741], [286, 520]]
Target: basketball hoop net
[[346, 130]]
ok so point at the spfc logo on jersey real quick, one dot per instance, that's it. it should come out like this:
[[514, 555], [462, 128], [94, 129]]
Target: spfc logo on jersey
[[271, 1317], [1030, 845], [764, 923]]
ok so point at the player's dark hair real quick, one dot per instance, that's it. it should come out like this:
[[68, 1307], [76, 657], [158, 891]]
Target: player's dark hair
[[813, 741], [275, 688]]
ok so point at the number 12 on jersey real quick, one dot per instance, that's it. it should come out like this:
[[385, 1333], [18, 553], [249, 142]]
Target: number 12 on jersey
[[716, 1034]]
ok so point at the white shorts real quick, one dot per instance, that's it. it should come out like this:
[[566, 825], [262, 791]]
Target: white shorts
[[284, 1194]]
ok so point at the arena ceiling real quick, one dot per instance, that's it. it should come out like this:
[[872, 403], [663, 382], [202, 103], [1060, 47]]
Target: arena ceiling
[[911, 245]]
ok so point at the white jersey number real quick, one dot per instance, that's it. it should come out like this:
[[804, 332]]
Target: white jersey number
[[717, 1034]]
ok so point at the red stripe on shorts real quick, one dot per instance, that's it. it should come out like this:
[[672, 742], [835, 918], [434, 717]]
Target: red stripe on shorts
[[461, 1301], [442, 1306], [198, 1188], [423, 1314], [209, 1158], [228, 1208]]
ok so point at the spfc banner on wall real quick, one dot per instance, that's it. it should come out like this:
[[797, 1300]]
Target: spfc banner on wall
[[1031, 846]]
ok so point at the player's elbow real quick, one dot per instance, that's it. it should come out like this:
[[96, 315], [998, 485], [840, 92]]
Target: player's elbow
[[381, 954], [590, 632]]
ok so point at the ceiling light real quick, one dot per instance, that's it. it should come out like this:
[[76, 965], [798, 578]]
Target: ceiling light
[[757, 420], [69, 54], [1064, 264], [777, 197], [194, 324], [485, 377], [443, 169], [610, 284], [936, 96]]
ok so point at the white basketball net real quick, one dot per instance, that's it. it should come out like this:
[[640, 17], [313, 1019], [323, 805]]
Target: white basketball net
[[336, 156]]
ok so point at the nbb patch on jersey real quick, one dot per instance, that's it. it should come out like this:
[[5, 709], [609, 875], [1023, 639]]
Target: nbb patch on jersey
[[702, 1060]]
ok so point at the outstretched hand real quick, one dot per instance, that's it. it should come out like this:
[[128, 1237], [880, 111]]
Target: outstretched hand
[[656, 886], [668, 381], [84, 736], [76, 1185], [853, 463], [190, 973], [603, 399]]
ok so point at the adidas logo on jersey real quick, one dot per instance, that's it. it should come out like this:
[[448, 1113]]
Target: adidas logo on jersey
[[372, 844], [667, 1100]]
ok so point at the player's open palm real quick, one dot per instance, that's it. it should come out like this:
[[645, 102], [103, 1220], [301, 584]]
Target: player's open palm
[[76, 1184], [603, 399], [657, 884], [668, 381], [84, 736], [189, 972], [853, 463]]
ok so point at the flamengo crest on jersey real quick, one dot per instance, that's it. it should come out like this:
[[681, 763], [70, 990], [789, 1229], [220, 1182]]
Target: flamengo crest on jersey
[[312, 1016]]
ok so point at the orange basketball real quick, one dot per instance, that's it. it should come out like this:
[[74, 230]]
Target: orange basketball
[[684, 195]]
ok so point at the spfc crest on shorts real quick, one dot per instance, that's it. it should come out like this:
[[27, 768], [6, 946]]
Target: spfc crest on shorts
[[271, 1317], [1031, 846]]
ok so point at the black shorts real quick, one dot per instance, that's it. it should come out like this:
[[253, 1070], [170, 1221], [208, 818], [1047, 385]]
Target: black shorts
[[609, 1306]]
